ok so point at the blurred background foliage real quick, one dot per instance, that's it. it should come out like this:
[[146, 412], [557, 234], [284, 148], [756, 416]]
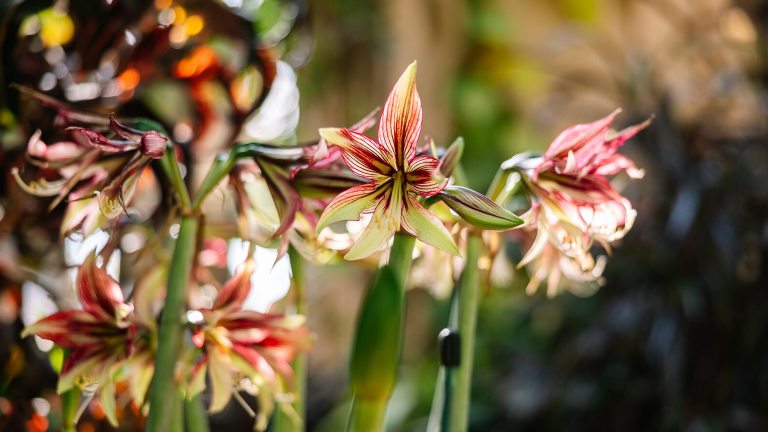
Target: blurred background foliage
[[677, 338]]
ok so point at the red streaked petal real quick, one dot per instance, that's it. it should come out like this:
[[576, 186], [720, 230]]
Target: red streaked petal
[[427, 227], [235, 291], [287, 200], [400, 124], [575, 137], [89, 138], [99, 293], [68, 329], [364, 156], [424, 176], [350, 204]]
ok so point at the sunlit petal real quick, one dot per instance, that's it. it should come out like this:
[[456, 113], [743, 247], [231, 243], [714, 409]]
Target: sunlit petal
[[376, 235], [350, 204], [427, 227], [400, 124]]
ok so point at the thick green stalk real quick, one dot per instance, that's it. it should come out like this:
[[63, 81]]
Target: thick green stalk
[[378, 340], [468, 300], [195, 415], [163, 392], [282, 421]]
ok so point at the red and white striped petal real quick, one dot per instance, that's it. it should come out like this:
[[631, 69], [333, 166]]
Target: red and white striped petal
[[99, 293], [424, 176], [576, 137], [427, 227], [350, 204], [400, 124], [364, 156], [235, 291]]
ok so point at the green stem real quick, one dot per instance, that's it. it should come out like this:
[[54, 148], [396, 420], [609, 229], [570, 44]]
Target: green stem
[[378, 339], [196, 418], [163, 392], [282, 421], [468, 300], [70, 401], [171, 167], [220, 169]]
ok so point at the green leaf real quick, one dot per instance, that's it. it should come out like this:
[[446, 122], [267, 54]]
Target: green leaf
[[478, 210]]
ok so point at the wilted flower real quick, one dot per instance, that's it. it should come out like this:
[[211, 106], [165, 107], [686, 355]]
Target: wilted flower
[[103, 338], [396, 176], [96, 174], [574, 203], [244, 349]]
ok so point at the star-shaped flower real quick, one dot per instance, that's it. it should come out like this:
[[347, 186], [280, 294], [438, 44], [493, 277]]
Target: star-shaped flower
[[397, 176]]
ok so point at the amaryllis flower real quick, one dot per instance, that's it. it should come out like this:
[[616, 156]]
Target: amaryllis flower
[[102, 337], [244, 349], [96, 174], [574, 203], [396, 176]]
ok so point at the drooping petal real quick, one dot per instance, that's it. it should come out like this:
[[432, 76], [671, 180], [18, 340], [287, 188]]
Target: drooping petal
[[424, 176], [427, 227], [378, 232], [99, 293], [88, 138], [235, 291], [400, 124], [40, 187], [364, 156], [222, 382], [287, 200], [350, 204]]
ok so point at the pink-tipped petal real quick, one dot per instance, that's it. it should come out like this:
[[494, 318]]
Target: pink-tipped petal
[[364, 156], [400, 124], [427, 227], [575, 137], [89, 138]]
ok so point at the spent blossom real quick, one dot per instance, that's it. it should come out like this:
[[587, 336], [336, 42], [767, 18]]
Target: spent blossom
[[574, 203]]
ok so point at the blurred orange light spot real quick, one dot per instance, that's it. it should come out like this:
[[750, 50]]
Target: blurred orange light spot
[[97, 411], [37, 423], [199, 61], [162, 4], [194, 25], [87, 427], [129, 79]]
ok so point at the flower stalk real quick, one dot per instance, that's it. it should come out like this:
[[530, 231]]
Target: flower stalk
[[282, 421], [467, 304], [163, 394], [378, 339]]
